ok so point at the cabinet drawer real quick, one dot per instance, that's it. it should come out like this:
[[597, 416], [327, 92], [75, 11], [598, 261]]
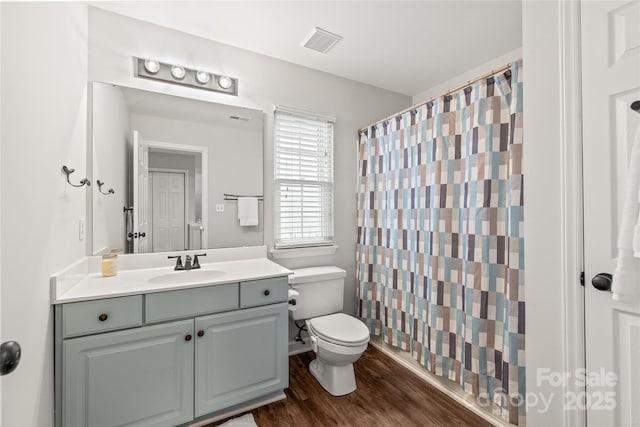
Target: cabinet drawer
[[190, 302], [89, 317], [265, 291]]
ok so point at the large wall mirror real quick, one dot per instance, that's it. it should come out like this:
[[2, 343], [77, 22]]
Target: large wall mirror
[[176, 167]]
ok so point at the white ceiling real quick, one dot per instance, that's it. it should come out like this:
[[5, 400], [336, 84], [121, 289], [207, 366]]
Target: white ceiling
[[403, 46]]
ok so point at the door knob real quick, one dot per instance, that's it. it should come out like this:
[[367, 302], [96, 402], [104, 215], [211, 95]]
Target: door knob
[[9, 357], [602, 281], [635, 106]]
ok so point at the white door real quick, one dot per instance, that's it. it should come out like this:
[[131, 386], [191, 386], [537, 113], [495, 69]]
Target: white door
[[611, 82], [168, 211], [140, 194]]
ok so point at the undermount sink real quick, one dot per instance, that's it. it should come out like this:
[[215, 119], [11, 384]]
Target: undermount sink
[[186, 276]]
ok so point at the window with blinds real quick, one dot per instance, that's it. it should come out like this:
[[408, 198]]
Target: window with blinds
[[303, 173]]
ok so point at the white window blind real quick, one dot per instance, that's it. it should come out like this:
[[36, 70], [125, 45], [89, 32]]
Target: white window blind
[[303, 172]]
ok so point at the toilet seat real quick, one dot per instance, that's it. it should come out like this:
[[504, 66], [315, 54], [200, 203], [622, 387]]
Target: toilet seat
[[340, 329]]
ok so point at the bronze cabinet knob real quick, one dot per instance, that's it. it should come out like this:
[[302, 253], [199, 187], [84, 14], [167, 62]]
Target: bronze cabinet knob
[[103, 317]]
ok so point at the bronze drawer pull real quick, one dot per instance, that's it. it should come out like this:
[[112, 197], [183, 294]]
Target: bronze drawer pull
[[103, 317], [267, 292], [200, 333], [188, 337]]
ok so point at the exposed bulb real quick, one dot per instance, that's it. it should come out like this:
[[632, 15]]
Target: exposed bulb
[[151, 66], [203, 77], [224, 82], [177, 72]]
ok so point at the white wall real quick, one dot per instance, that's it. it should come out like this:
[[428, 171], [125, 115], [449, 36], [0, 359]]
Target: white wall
[[44, 82], [264, 81], [110, 119], [472, 73]]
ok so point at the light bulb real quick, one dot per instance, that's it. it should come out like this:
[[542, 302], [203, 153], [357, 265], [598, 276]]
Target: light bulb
[[151, 66], [203, 77], [224, 82], [177, 72]]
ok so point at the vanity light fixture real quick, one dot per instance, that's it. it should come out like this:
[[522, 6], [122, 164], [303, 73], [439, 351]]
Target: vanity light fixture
[[177, 74], [203, 77], [224, 82], [151, 66]]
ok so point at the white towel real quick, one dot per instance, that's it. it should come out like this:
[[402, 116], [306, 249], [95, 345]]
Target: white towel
[[248, 211], [626, 277]]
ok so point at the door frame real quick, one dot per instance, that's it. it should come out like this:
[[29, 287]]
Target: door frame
[[185, 174], [204, 153], [572, 203], [553, 209]]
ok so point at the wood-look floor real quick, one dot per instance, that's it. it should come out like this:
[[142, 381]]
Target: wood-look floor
[[387, 395]]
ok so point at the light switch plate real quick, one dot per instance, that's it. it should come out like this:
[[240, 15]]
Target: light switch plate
[[220, 207]]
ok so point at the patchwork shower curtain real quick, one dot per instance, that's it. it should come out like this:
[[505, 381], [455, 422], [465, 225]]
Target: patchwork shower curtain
[[440, 256]]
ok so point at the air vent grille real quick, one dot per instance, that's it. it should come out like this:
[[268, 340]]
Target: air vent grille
[[321, 40]]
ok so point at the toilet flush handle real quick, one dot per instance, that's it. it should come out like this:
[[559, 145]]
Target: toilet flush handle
[[314, 343]]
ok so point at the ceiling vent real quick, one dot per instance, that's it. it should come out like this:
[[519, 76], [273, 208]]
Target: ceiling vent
[[321, 40]]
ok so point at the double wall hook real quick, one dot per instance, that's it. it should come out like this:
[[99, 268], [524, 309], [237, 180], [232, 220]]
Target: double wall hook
[[83, 181], [100, 184]]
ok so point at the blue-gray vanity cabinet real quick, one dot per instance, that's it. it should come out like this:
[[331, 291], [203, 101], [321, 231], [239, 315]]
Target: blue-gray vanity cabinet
[[240, 355], [137, 377], [181, 355]]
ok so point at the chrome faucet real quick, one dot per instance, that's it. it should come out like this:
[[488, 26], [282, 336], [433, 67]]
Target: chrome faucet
[[188, 265]]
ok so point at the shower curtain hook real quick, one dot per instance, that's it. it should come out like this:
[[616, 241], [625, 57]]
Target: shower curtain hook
[[83, 181]]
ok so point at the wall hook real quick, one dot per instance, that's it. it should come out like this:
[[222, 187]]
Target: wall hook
[[100, 184], [83, 181]]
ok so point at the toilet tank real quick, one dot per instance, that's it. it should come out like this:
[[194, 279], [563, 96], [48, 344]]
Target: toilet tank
[[321, 291]]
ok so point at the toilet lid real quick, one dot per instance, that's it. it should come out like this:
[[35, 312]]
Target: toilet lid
[[340, 328]]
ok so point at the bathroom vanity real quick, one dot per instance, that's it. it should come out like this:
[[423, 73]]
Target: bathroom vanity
[[154, 347]]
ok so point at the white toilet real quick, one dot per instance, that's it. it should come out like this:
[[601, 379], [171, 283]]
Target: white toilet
[[337, 338]]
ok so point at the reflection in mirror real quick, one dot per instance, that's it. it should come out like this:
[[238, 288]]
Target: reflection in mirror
[[170, 160]]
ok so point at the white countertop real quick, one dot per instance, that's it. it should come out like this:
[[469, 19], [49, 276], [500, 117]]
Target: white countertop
[[137, 281]]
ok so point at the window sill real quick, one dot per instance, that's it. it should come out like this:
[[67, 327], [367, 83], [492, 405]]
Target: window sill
[[303, 252]]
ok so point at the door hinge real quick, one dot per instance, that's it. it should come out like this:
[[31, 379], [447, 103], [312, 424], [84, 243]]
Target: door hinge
[[582, 279]]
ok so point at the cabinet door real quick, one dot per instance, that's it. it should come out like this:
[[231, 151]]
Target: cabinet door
[[241, 355], [138, 377]]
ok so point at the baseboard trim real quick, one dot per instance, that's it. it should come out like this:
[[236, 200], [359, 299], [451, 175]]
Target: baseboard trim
[[296, 347], [445, 386]]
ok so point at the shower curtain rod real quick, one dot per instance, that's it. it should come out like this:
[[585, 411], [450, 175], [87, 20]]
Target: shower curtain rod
[[449, 92]]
